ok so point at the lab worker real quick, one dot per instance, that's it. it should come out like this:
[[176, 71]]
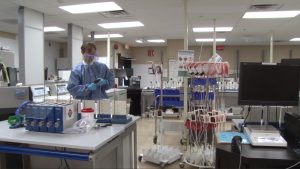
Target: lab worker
[[89, 79]]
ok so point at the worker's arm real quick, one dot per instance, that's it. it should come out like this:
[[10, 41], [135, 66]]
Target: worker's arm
[[76, 88], [109, 76]]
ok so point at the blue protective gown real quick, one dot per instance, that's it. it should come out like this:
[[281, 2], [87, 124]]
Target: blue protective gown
[[83, 74]]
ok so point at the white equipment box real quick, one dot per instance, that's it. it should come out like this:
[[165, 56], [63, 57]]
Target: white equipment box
[[265, 136]]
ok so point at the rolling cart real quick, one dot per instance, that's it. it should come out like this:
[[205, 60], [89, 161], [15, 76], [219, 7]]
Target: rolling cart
[[162, 154]]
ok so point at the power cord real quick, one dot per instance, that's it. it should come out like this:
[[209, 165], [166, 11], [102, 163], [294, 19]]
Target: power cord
[[294, 165], [240, 162], [276, 114], [236, 147], [243, 124]]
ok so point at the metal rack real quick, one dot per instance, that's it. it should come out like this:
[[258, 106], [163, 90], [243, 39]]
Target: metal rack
[[203, 119]]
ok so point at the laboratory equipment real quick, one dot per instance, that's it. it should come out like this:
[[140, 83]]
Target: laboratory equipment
[[135, 81], [106, 110], [49, 117], [64, 74], [204, 119], [58, 88], [120, 74], [11, 98], [147, 102], [39, 92], [117, 94], [57, 92], [267, 136], [267, 84]]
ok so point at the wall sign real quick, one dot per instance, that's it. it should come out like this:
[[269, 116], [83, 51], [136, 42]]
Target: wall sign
[[150, 53], [220, 47]]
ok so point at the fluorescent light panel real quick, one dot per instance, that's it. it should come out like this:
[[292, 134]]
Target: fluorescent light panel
[[211, 29], [295, 39], [139, 41], [53, 29], [102, 36], [210, 40], [156, 40], [121, 24], [91, 8], [270, 14]]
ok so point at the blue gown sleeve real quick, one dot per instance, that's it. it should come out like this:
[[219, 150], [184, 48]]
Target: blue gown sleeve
[[76, 89]]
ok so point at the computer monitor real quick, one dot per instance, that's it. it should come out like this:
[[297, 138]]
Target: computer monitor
[[268, 84], [294, 61]]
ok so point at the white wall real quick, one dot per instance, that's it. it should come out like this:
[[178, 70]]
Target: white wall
[[51, 53]]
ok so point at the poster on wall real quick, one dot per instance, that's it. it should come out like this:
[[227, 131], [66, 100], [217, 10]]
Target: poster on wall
[[155, 69], [184, 57], [173, 69]]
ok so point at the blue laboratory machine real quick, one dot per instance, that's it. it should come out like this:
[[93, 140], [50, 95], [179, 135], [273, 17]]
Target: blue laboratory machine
[[49, 117]]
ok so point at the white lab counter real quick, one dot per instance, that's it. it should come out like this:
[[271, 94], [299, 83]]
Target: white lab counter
[[118, 142]]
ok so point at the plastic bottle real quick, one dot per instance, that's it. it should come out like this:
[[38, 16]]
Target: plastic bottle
[[87, 114]]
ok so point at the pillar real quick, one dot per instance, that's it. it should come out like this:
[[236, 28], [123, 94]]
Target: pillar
[[31, 46]]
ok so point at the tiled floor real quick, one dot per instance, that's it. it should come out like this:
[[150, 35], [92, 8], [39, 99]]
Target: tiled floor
[[145, 133]]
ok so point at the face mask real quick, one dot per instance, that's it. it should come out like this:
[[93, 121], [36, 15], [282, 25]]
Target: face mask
[[88, 58]]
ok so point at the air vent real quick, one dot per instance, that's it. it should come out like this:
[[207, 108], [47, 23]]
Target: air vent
[[10, 21], [115, 14], [265, 7]]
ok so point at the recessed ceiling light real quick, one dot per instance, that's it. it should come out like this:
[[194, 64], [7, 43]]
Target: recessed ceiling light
[[295, 39], [156, 40], [211, 29], [270, 14], [211, 40], [92, 7], [139, 41], [121, 24], [53, 29], [102, 36]]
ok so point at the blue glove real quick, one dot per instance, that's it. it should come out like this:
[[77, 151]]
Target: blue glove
[[92, 87], [102, 82]]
